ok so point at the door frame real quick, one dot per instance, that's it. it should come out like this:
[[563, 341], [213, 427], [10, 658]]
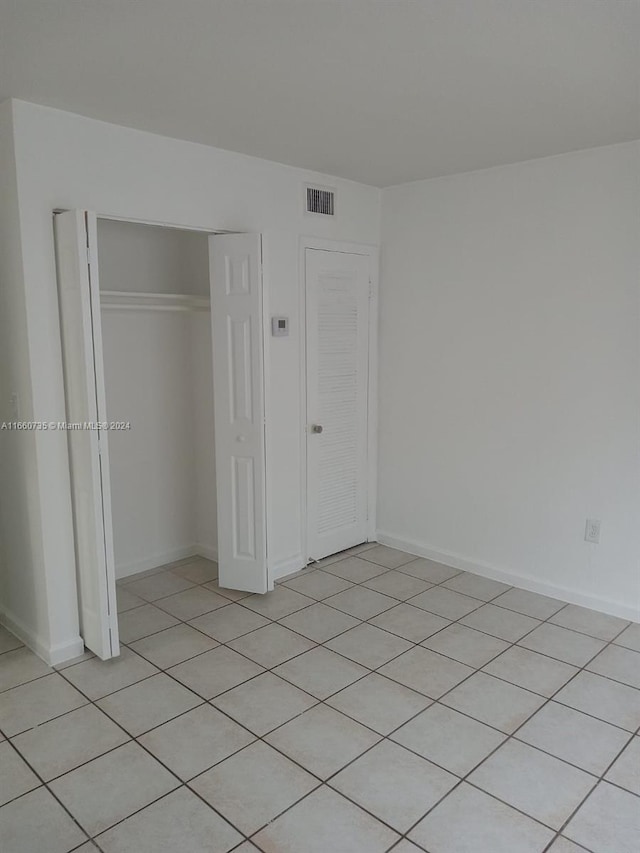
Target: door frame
[[372, 252]]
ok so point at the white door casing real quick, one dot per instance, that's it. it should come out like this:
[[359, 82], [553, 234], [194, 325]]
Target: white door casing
[[235, 263], [337, 358], [79, 298]]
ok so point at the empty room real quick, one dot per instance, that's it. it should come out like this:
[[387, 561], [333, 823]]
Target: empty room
[[320, 426]]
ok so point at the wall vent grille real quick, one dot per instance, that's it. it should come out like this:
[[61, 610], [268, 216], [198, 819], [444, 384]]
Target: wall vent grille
[[321, 201]]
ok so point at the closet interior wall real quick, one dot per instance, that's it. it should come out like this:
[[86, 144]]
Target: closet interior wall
[[159, 378]]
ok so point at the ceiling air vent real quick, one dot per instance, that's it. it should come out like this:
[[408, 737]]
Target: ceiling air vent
[[320, 200]]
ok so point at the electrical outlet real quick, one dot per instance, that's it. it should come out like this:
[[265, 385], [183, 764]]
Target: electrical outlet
[[592, 531]]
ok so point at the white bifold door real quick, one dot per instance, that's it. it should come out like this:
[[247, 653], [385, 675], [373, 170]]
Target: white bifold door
[[337, 334], [81, 332], [237, 338], [235, 263]]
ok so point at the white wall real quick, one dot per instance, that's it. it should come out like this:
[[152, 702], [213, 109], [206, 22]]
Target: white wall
[[152, 259], [158, 372], [510, 373], [23, 587], [205, 506], [154, 467], [68, 161]]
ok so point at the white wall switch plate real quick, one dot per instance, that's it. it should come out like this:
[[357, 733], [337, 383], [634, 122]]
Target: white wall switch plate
[[592, 531]]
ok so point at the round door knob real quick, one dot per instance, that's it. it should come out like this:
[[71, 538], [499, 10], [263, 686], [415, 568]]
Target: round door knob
[[241, 438], [316, 428]]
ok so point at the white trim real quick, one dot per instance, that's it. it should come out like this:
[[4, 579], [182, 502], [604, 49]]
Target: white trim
[[206, 551], [103, 435], [302, 321], [338, 246], [372, 401], [64, 652], [287, 567], [265, 297], [120, 299], [522, 581], [372, 252], [176, 226], [53, 655], [124, 570]]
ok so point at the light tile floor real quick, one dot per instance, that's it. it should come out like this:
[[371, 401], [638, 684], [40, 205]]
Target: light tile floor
[[373, 702]]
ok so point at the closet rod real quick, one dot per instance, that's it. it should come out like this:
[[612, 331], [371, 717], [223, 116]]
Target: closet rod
[[122, 300], [117, 306]]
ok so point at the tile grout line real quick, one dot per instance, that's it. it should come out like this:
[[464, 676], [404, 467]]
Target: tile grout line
[[134, 739], [509, 736], [463, 778], [510, 645], [601, 778], [210, 701], [278, 664], [387, 737], [186, 784], [598, 778], [513, 734], [326, 781], [44, 785], [370, 671], [414, 644], [261, 738], [397, 602], [331, 694]]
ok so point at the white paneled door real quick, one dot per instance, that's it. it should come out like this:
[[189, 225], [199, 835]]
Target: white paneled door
[[337, 335], [238, 369], [79, 298]]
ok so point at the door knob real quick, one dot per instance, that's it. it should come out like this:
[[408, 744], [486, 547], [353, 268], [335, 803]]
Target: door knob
[[316, 428]]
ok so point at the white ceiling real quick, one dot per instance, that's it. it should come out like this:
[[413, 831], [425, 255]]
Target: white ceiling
[[381, 91]]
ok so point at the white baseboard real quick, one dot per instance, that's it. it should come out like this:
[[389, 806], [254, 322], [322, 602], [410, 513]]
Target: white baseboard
[[288, 566], [66, 651], [52, 655], [206, 551], [62, 652], [123, 570], [524, 581]]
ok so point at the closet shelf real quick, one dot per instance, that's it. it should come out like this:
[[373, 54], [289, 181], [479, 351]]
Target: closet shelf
[[128, 300]]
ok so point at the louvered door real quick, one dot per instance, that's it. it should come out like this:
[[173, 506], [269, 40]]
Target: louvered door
[[337, 308]]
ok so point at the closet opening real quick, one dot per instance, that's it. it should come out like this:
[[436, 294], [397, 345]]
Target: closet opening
[[155, 313], [158, 373], [162, 339]]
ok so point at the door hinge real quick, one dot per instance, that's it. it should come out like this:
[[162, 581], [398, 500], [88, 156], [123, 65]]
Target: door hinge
[[370, 289]]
